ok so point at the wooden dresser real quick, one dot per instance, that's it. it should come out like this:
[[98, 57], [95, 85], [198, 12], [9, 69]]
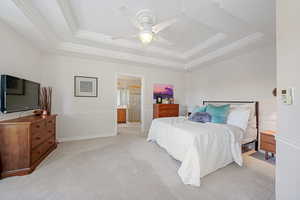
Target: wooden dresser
[[165, 110], [268, 143], [25, 142]]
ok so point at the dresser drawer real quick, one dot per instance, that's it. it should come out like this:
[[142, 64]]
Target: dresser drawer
[[39, 137], [50, 123], [172, 113], [167, 115], [169, 110], [38, 126], [168, 106], [267, 139], [268, 147], [42, 149]]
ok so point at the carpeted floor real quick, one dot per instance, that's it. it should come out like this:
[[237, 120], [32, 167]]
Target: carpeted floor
[[127, 167]]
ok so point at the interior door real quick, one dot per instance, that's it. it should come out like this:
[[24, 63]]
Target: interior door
[[134, 107]]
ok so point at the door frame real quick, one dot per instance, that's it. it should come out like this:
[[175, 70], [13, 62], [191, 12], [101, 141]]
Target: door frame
[[142, 98]]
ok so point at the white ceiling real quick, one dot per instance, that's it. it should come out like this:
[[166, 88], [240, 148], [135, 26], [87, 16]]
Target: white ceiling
[[206, 31]]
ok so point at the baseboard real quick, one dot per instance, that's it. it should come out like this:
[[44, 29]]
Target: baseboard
[[69, 139]]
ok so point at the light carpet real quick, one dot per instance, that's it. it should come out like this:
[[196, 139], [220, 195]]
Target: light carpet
[[127, 167]]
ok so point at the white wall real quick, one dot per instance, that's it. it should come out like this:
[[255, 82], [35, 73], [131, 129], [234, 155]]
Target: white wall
[[288, 75], [18, 57], [92, 117], [251, 76]]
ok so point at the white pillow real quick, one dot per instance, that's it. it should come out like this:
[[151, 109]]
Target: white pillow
[[239, 117], [250, 106]]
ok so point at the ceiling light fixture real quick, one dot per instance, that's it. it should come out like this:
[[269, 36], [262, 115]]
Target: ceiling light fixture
[[146, 36]]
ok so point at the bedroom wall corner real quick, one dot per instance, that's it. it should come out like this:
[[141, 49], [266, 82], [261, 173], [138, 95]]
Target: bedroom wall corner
[[251, 76]]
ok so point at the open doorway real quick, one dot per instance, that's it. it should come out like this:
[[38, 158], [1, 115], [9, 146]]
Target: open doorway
[[129, 104]]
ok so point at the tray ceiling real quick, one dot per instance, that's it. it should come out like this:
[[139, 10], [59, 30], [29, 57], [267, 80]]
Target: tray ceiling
[[206, 30]]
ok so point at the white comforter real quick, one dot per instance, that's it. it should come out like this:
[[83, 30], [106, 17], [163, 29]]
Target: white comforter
[[202, 148]]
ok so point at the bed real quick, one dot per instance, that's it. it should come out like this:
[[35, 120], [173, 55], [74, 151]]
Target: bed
[[202, 148], [252, 132]]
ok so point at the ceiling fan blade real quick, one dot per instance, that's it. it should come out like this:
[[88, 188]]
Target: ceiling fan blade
[[123, 37], [125, 11], [162, 40], [161, 26]]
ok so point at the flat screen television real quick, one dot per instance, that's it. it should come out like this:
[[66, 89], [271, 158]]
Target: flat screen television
[[18, 94]]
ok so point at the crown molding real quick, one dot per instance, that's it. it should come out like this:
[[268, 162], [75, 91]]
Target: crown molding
[[68, 14], [37, 20], [209, 42], [116, 55], [225, 50]]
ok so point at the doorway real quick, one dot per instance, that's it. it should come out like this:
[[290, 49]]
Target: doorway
[[129, 104]]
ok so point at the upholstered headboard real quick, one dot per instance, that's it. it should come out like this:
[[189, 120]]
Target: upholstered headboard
[[256, 104]]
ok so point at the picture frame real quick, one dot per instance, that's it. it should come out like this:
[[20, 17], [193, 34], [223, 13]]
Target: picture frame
[[85, 86], [163, 92]]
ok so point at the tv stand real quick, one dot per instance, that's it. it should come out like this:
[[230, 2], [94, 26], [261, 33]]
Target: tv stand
[[25, 142]]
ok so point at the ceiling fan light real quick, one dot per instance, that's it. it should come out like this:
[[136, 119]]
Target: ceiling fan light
[[146, 37]]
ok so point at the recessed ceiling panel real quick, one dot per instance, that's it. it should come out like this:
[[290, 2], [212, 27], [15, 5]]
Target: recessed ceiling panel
[[51, 11], [105, 16], [12, 16], [196, 31], [202, 29]]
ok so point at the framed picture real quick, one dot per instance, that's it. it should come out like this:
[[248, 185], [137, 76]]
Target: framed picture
[[163, 91], [85, 86]]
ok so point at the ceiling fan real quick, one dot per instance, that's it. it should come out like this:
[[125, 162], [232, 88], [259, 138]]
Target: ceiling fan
[[145, 21]]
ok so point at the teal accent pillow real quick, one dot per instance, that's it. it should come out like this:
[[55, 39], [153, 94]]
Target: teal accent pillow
[[199, 109], [219, 113]]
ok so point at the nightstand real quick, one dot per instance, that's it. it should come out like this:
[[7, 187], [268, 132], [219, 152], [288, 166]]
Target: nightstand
[[268, 143]]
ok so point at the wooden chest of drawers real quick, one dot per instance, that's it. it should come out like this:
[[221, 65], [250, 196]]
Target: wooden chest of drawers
[[165, 110], [25, 142], [268, 143]]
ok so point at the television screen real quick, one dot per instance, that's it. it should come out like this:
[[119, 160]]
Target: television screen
[[18, 94]]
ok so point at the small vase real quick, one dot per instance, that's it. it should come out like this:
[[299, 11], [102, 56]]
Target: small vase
[[45, 113]]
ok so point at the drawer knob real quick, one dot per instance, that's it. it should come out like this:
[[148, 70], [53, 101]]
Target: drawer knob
[[38, 126], [37, 138], [49, 131]]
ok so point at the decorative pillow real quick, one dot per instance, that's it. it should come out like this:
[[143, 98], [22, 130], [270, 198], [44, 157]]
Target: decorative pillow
[[218, 113], [239, 117], [200, 117], [198, 109]]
